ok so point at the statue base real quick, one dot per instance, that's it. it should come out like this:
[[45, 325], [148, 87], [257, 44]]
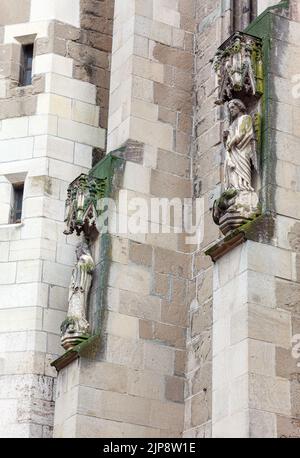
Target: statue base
[[72, 340], [234, 209], [74, 330]]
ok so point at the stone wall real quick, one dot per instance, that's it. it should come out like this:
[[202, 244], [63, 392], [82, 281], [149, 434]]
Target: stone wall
[[149, 287], [213, 21], [255, 374], [48, 132]]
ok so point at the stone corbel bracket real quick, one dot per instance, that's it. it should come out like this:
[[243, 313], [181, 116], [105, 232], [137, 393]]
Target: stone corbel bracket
[[238, 65], [260, 230], [81, 211], [87, 349]]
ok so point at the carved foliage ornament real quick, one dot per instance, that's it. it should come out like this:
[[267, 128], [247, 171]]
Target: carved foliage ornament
[[238, 65], [81, 205]]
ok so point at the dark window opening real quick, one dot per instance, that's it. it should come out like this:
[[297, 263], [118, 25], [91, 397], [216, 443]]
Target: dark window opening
[[18, 191], [26, 65], [244, 12]]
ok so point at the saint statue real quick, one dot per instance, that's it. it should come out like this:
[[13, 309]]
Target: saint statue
[[76, 327], [240, 148]]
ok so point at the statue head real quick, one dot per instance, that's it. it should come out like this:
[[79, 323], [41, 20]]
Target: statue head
[[81, 249], [236, 106]]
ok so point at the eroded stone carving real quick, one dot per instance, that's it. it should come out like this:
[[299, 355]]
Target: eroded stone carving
[[239, 202], [81, 205], [239, 69], [239, 142], [75, 328]]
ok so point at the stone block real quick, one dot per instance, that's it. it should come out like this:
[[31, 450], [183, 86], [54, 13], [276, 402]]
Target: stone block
[[87, 427], [174, 99], [286, 365], [52, 320], [145, 384], [162, 286], [268, 259], [159, 359], [174, 390], [176, 164], [176, 314], [164, 414], [54, 105], [14, 128], [236, 426], [66, 172], [137, 178], [271, 394], [81, 133], [172, 336], [42, 125], [67, 87], [261, 358], [113, 406], [21, 319], [122, 325], [140, 254], [29, 271], [168, 262], [273, 326], [130, 278], [125, 352], [200, 408], [165, 185], [174, 57], [104, 376], [262, 424], [287, 427], [153, 133], [53, 63], [83, 155], [135, 304], [85, 113], [56, 274], [147, 69], [144, 110]]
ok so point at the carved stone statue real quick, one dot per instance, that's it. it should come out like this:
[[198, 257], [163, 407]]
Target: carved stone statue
[[239, 202], [75, 328], [238, 65], [240, 148]]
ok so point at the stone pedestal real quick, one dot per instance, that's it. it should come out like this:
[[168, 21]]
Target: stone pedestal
[[234, 209], [250, 331]]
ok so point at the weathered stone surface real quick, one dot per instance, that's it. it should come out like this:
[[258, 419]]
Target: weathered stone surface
[[174, 389], [140, 254], [286, 365], [288, 427]]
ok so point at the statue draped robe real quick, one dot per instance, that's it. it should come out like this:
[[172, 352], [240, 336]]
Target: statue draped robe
[[79, 289], [239, 151]]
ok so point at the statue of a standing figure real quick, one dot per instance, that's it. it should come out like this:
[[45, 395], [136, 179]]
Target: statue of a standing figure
[[239, 202], [240, 148], [75, 328]]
